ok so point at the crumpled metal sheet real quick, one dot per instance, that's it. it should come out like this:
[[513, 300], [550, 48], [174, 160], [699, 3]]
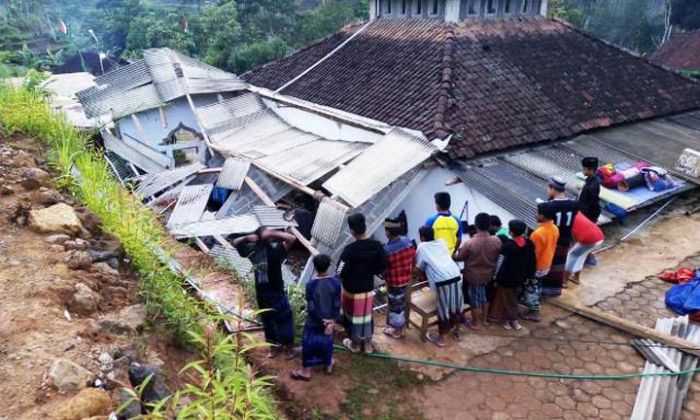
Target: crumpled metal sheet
[[234, 225], [190, 204], [233, 174], [152, 184], [329, 221], [384, 162]]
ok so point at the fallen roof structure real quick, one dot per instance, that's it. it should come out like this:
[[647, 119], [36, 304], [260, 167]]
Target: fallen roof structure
[[161, 76]]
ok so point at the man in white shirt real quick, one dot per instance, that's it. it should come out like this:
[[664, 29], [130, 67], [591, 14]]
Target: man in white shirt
[[433, 260]]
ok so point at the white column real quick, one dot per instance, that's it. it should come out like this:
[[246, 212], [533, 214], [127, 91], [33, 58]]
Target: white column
[[452, 10], [373, 9], [543, 8]]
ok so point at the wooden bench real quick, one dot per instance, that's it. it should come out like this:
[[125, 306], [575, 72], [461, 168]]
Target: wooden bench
[[423, 302]]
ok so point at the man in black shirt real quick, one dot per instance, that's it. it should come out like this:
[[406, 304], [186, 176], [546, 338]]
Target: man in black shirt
[[563, 209], [267, 250], [359, 263], [589, 198]]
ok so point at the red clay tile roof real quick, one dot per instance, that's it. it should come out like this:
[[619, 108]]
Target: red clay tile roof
[[494, 84], [681, 52]]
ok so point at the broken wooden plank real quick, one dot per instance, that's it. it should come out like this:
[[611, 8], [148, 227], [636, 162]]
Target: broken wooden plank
[[268, 201], [627, 326]]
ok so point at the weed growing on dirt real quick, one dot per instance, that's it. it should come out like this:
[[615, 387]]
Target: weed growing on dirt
[[217, 396], [381, 394], [85, 174]]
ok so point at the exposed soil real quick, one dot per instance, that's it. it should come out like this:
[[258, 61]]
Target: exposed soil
[[37, 324]]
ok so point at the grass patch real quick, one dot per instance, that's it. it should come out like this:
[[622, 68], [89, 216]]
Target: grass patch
[[381, 391], [84, 172]]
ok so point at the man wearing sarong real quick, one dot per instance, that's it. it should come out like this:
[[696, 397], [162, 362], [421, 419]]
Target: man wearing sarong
[[358, 264], [434, 261], [400, 257], [563, 209], [545, 239], [267, 250], [515, 265], [322, 311]]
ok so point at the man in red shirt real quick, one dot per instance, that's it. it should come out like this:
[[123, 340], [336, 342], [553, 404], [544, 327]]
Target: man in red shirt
[[587, 237], [400, 260]]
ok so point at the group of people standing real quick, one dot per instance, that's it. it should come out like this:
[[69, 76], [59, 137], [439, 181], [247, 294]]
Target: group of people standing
[[503, 268]]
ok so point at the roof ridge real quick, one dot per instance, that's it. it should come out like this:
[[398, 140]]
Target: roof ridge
[[440, 126]]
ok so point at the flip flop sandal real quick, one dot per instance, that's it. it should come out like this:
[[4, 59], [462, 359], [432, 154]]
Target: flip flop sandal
[[434, 338], [575, 281], [347, 343], [297, 376]]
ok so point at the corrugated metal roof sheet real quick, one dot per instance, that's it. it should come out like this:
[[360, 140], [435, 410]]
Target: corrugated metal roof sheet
[[162, 75], [272, 217], [190, 204], [133, 155], [329, 221], [231, 225], [385, 161], [233, 174], [243, 266], [243, 126], [155, 183], [311, 161]]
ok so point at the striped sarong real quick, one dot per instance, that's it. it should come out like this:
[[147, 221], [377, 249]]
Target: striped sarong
[[553, 281], [356, 315], [450, 304], [396, 307]]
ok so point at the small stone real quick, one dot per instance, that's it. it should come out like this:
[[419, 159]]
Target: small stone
[[78, 260], [57, 248], [57, 239], [119, 376], [33, 178], [59, 218], [92, 329], [127, 320], [104, 268], [48, 197], [85, 301], [88, 403], [67, 376], [105, 358], [99, 256], [132, 409], [156, 389], [77, 244], [6, 190]]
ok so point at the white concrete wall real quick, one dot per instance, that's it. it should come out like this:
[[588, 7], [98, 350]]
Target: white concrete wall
[[452, 11], [419, 205], [321, 126]]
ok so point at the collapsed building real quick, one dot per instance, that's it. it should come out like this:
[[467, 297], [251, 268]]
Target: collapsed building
[[485, 99]]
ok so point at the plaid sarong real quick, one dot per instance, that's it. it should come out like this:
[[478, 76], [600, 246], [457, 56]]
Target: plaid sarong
[[396, 307], [553, 281], [356, 315]]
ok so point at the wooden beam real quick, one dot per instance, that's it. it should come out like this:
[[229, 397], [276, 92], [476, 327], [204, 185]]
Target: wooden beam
[[627, 326], [268, 202]]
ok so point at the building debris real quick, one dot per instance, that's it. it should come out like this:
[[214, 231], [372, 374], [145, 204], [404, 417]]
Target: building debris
[[662, 397]]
